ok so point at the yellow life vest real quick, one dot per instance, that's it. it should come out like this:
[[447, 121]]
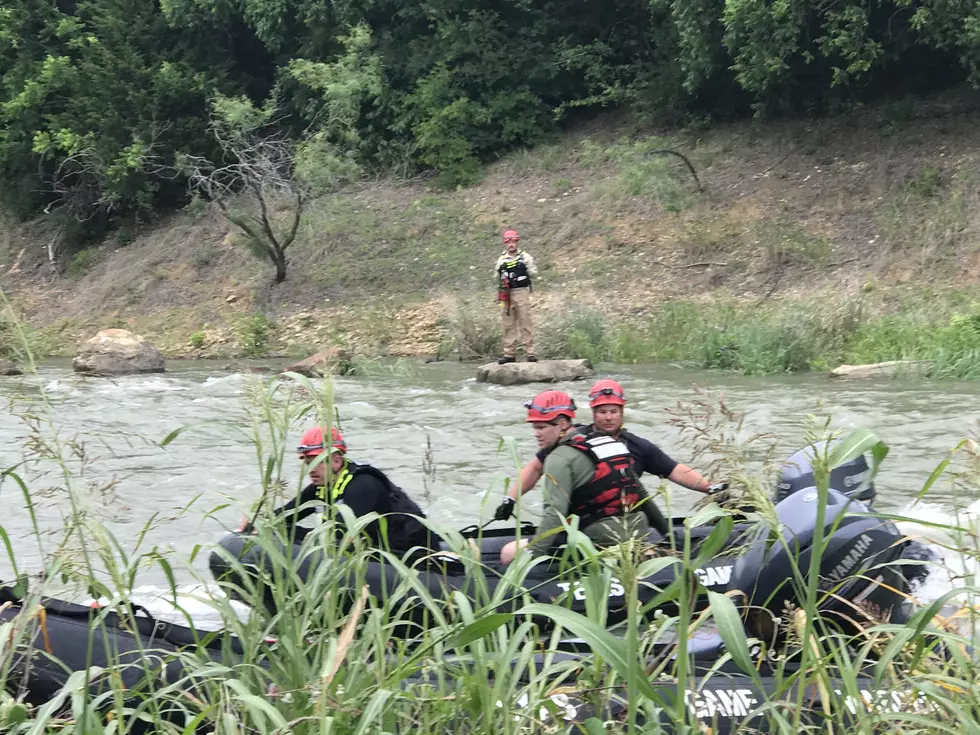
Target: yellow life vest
[[340, 482]]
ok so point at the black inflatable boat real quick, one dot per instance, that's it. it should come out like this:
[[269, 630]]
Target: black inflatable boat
[[718, 697], [861, 547], [862, 560], [51, 639]]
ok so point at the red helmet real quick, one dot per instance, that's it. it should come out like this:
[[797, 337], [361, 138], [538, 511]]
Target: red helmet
[[511, 235], [607, 392], [549, 405], [311, 444]]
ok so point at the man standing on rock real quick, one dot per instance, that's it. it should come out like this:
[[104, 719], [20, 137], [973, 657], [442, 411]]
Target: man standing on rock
[[514, 270]]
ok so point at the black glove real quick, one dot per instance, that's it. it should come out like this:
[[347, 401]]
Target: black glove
[[718, 487], [505, 510]]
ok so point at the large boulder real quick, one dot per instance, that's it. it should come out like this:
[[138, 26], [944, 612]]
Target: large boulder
[[8, 368], [546, 371], [331, 360], [118, 352], [882, 369]]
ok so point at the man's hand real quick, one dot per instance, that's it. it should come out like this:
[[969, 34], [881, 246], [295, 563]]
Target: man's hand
[[244, 526], [505, 510], [718, 487]]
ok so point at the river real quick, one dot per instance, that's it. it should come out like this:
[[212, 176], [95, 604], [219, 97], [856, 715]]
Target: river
[[386, 420]]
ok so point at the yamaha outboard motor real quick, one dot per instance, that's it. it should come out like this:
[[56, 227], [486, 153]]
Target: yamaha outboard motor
[[851, 478], [860, 570]]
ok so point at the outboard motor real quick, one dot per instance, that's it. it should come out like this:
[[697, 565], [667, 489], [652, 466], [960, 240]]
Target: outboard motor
[[860, 569], [851, 478]]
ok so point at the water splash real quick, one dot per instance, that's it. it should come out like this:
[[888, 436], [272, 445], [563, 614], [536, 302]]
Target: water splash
[[953, 535], [200, 603]]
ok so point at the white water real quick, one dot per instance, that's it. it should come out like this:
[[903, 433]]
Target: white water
[[955, 571], [386, 421]]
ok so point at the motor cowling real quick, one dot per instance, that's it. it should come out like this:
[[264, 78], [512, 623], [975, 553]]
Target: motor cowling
[[853, 478], [860, 566]]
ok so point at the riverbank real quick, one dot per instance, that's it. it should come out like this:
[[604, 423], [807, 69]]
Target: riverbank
[[809, 243], [749, 336]]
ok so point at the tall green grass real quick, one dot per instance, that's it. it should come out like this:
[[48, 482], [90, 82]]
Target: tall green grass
[[330, 658], [778, 337]]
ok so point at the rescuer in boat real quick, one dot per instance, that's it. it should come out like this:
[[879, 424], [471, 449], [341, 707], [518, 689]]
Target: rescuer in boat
[[591, 474], [360, 487], [608, 401]]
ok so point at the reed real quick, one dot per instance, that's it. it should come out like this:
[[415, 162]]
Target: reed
[[323, 656]]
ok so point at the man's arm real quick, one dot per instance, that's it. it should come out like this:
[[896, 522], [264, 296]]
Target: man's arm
[[532, 268], [559, 480], [530, 474], [653, 460], [689, 478], [656, 462], [299, 507], [497, 266]]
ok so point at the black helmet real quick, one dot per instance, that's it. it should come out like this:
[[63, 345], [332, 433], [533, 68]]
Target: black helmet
[[852, 478], [860, 567]]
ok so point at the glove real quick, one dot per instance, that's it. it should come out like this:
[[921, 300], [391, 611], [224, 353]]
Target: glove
[[505, 510], [718, 487]]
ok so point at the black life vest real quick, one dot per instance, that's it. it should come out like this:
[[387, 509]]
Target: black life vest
[[614, 488], [403, 530], [513, 272]]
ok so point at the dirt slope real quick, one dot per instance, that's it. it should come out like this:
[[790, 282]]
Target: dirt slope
[[787, 210]]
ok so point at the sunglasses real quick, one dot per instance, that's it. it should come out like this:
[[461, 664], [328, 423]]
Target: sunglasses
[[607, 392], [531, 405], [311, 457]]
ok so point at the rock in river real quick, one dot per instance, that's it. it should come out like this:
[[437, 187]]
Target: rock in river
[[882, 369], [333, 359], [546, 371], [118, 352]]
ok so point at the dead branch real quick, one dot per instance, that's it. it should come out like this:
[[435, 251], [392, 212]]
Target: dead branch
[[763, 173], [81, 181], [688, 265], [297, 214], [687, 162]]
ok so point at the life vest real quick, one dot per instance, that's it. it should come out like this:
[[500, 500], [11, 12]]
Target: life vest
[[513, 272], [614, 488], [403, 530]]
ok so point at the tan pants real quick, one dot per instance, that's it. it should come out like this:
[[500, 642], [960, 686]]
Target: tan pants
[[519, 320]]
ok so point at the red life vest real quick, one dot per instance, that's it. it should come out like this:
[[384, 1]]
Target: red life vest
[[614, 488]]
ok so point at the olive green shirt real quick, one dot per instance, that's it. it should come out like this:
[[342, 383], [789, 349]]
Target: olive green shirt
[[565, 469]]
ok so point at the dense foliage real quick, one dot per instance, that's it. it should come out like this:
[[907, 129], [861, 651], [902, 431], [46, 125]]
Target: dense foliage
[[99, 97]]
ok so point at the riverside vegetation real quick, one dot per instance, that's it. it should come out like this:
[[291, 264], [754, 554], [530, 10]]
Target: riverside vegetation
[[833, 215], [847, 244], [343, 669]]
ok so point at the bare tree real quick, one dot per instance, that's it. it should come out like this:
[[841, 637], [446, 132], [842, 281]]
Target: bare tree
[[249, 189]]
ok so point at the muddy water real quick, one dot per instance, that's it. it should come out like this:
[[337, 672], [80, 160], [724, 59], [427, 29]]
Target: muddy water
[[386, 421]]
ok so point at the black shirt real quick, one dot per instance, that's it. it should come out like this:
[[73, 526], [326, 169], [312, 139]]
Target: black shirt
[[364, 493], [651, 458]]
